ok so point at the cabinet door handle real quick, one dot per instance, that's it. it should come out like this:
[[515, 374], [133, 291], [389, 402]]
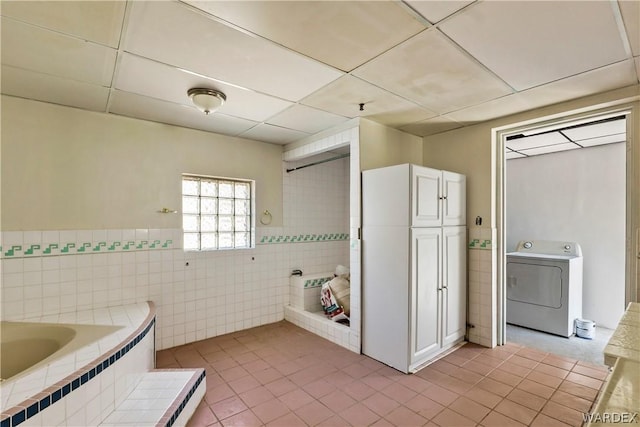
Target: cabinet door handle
[[444, 287]]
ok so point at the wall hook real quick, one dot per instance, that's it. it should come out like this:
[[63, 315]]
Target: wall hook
[[362, 106], [167, 210]]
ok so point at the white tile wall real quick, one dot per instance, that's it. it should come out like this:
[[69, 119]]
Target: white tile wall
[[482, 293], [198, 295]]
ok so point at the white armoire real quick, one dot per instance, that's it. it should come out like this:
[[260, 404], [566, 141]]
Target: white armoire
[[414, 282]]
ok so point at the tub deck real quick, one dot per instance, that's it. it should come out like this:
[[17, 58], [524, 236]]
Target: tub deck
[[129, 318]]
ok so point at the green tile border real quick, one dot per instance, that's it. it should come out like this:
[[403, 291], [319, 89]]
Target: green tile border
[[303, 238], [480, 244], [314, 283], [29, 250]]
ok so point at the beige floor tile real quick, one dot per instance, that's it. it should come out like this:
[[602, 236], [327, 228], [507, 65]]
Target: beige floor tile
[[527, 399], [451, 418], [516, 411], [564, 414], [470, 409], [483, 397], [281, 375]]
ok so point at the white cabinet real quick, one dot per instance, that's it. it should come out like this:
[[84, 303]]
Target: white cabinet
[[438, 197], [414, 196], [414, 277]]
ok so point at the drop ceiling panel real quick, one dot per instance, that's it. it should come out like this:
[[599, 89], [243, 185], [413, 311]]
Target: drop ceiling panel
[[44, 51], [603, 79], [513, 155], [436, 10], [97, 21], [602, 140], [402, 116], [149, 78], [433, 72], [499, 107], [273, 134], [532, 43], [175, 34], [341, 34], [630, 10], [141, 107], [542, 140], [56, 90], [597, 129], [550, 149], [344, 95], [306, 119], [431, 126]]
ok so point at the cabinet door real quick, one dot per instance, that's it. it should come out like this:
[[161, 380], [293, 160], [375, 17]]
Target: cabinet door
[[454, 283], [426, 197], [425, 292], [454, 189]]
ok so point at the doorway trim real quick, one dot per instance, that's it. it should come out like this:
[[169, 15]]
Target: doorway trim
[[498, 202]]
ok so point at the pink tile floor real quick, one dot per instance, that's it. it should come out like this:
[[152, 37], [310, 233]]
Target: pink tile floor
[[282, 375]]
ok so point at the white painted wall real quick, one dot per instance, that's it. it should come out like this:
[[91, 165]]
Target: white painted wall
[[77, 177], [576, 195]]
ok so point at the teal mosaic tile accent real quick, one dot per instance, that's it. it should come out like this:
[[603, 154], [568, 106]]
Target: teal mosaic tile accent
[[314, 283], [11, 252], [29, 250], [480, 244], [303, 238]]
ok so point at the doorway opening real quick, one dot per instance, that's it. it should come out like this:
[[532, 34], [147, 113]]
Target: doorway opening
[[567, 180]]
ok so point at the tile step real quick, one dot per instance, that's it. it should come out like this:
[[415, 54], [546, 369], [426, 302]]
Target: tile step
[[163, 397]]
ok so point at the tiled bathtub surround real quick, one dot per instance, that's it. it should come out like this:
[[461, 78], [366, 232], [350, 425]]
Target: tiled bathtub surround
[[81, 388]]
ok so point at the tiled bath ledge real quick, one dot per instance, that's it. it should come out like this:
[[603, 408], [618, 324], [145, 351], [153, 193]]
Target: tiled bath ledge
[[162, 398], [109, 367]]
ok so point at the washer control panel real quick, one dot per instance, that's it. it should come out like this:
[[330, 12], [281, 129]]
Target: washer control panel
[[549, 247]]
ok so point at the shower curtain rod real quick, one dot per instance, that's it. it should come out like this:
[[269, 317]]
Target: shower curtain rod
[[341, 156]]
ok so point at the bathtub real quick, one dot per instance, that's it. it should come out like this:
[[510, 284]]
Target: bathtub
[[27, 346], [83, 364]]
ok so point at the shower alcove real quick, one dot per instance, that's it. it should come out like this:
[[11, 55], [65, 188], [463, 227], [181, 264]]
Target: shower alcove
[[326, 196], [318, 178]]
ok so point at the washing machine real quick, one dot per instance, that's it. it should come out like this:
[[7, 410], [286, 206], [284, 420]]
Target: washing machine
[[544, 286]]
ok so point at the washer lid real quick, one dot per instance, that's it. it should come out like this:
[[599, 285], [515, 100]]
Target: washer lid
[[548, 247]]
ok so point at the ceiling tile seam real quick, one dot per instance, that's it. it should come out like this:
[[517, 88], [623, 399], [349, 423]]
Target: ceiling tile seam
[[414, 13], [255, 35], [234, 134], [565, 136], [387, 50], [54, 103], [622, 30], [120, 52], [575, 75], [266, 121], [54, 75], [454, 14], [542, 146], [222, 82], [61, 33], [389, 93], [474, 59]]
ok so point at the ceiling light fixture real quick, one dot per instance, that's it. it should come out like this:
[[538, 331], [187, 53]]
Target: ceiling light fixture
[[207, 100]]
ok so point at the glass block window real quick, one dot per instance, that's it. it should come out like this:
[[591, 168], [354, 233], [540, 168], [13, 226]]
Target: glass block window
[[217, 213]]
